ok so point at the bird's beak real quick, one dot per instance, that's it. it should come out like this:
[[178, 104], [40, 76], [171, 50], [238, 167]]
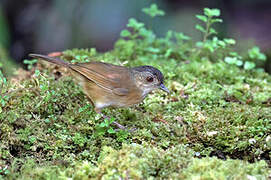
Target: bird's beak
[[164, 88]]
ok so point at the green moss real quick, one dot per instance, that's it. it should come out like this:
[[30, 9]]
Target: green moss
[[214, 108], [147, 162]]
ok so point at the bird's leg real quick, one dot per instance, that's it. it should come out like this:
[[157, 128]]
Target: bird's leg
[[119, 125], [114, 122]]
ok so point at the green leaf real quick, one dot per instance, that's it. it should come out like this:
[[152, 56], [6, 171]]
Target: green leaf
[[262, 57], [103, 124], [147, 34], [202, 18], [133, 23], [81, 110], [200, 28], [111, 130], [199, 44], [222, 44], [254, 53], [2, 101], [32, 139], [211, 12], [37, 72], [213, 31], [209, 47], [249, 65], [260, 70], [168, 53], [111, 120], [153, 50], [233, 54], [181, 36], [30, 61], [47, 121], [230, 60], [217, 20], [229, 41], [239, 63], [125, 33]]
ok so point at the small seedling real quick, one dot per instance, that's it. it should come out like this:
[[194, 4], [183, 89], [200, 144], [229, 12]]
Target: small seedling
[[30, 63], [106, 127], [153, 11], [209, 18], [79, 59]]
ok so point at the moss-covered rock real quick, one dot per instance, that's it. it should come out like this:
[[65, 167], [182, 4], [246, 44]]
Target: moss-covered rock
[[214, 108]]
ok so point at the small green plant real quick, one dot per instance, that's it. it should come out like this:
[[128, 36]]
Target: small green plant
[[209, 17], [79, 139], [211, 43], [30, 63], [105, 127], [254, 55], [235, 59], [222, 49], [137, 29], [4, 171], [153, 11], [142, 43]]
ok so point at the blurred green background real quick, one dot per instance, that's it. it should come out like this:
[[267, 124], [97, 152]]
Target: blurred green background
[[45, 26]]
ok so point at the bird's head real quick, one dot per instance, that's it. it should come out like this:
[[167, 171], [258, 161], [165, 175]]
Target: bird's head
[[149, 78]]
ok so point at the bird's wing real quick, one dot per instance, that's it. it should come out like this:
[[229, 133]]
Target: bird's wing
[[107, 76]]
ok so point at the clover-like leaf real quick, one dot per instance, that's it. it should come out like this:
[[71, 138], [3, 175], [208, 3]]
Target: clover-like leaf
[[254, 53], [153, 11], [111, 130], [229, 41], [230, 60], [249, 65], [102, 124], [133, 23], [125, 33]]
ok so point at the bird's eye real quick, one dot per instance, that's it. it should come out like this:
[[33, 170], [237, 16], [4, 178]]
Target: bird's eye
[[149, 79]]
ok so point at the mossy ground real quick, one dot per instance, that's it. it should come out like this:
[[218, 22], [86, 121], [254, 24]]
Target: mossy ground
[[215, 113]]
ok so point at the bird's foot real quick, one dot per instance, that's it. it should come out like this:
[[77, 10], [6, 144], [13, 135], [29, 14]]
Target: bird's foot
[[123, 127]]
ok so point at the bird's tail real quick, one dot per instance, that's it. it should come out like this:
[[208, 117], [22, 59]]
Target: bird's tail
[[50, 59]]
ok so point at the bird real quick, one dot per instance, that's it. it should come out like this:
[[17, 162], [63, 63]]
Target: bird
[[108, 85]]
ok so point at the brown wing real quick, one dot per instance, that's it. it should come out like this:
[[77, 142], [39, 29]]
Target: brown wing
[[107, 76]]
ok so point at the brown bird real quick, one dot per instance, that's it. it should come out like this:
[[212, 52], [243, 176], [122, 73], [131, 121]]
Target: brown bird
[[111, 85]]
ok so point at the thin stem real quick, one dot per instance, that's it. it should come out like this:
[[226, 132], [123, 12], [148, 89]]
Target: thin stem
[[206, 35]]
